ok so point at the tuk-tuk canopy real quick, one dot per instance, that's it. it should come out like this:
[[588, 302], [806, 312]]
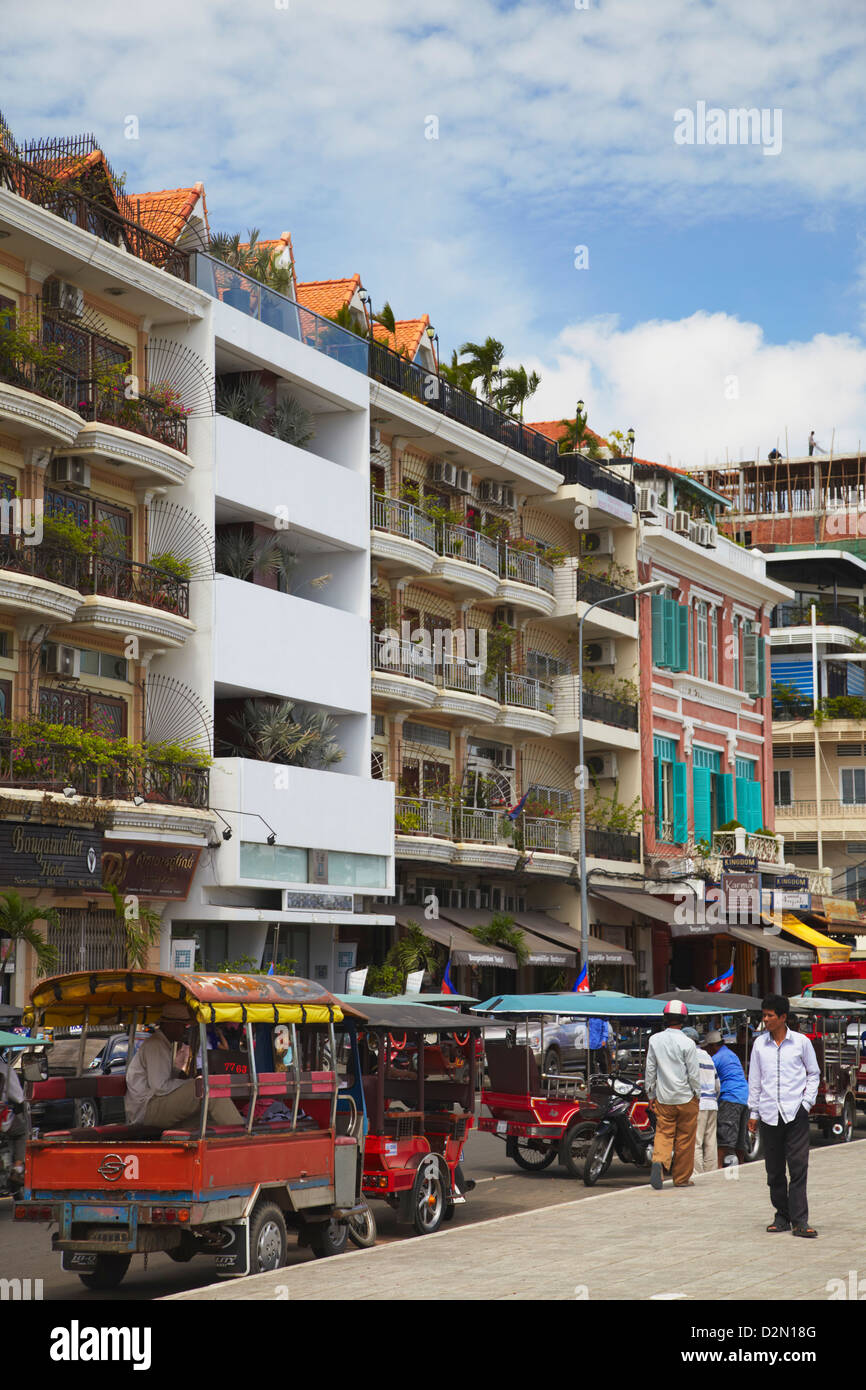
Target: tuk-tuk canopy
[[210, 998], [805, 1004], [395, 1014], [721, 1003], [359, 1001], [10, 1040], [854, 988], [587, 1006]]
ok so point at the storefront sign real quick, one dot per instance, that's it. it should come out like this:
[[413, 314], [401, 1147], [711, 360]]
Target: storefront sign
[[604, 502], [149, 870], [742, 897], [50, 856], [792, 899], [318, 902], [800, 959], [842, 910], [740, 864]]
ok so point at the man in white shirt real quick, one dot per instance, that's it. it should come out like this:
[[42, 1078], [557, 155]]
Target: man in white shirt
[[12, 1122], [673, 1084], [783, 1085], [705, 1138], [160, 1094]]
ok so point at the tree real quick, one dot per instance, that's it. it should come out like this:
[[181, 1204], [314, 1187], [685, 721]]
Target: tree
[[516, 389], [17, 920], [457, 374], [484, 360], [344, 318], [501, 931], [578, 438], [385, 316], [141, 925]]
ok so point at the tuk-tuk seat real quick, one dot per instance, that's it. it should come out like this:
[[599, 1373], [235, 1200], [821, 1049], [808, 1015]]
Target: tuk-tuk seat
[[78, 1087], [513, 1070], [100, 1133]]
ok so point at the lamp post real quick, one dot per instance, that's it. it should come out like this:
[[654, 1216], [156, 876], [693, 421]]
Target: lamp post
[[433, 336], [652, 588], [367, 302]]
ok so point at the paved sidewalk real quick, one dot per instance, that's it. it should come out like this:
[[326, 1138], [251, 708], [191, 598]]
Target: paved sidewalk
[[704, 1242]]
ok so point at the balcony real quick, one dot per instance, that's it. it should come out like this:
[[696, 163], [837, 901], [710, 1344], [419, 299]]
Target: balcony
[[527, 704], [767, 849], [39, 764], [590, 589], [606, 710], [107, 576], [808, 810], [609, 722], [27, 181], [403, 674], [39, 398], [526, 580], [403, 536], [468, 561], [611, 844], [826, 615], [467, 691], [144, 414], [585, 472]]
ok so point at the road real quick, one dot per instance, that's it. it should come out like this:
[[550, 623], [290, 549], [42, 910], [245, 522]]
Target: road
[[501, 1189]]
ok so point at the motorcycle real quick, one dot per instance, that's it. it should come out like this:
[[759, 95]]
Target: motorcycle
[[626, 1127]]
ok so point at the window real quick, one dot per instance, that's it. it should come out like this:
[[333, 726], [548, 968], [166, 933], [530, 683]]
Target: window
[[713, 792], [670, 622], [749, 795], [855, 882], [754, 662], [735, 645], [426, 733], [5, 699], [544, 668], [702, 640], [853, 783], [670, 789], [783, 793], [377, 765], [714, 644]]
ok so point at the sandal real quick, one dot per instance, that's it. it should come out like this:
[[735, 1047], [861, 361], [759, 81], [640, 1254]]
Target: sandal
[[807, 1232], [774, 1228]]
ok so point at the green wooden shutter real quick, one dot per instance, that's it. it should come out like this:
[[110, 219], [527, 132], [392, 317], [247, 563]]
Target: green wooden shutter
[[702, 802], [725, 796], [659, 798], [745, 810], [750, 663], [671, 633], [757, 806], [762, 667], [681, 807], [658, 616], [682, 654]]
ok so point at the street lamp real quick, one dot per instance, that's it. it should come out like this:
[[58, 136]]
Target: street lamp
[[367, 302], [630, 439], [434, 336], [652, 588]]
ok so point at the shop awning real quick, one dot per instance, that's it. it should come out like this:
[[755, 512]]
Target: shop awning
[[541, 950], [464, 948], [661, 910], [551, 929], [827, 950], [774, 945]]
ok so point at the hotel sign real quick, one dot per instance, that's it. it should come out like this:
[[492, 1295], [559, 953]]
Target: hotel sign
[[150, 870], [50, 856]]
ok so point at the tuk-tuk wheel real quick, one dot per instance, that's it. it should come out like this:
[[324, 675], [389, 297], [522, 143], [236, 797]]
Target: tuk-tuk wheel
[[267, 1238], [527, 1157], [362, 1228], [428, 1199], [848, 1121], [328, 1238], [107, 1272]]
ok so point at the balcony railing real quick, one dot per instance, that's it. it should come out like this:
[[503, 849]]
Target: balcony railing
[[575, 468], [430, 389], [50, 768], [108, 575], [50, 380], [459, 543], [107, 223], [607, 710], [527, 692], [807, 809], [545, 835], [470, 678], [403, 519], [251, 297], [481, 825], [765, 848], [525, 568], [141, 415], [792, 709], [589, 589], [423, 816], [427, 816], [612, 844], [403, 658], [826, 615]]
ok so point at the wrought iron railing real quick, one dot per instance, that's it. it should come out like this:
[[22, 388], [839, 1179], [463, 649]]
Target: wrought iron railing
[[140, 415], [47, 379], [525, 568], [482, 825], [432, 390], [469, 677], [589, 589], [63, 200], [403, 658], [53, 768], [607, 710], [576, 468], [423, 816], [546, 834], [764, 848], [612, 844], [403, 519], [527, 692], [460, 543], [108, 575]]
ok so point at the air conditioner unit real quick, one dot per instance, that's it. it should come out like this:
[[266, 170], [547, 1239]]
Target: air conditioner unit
[[490, 492], [72, 472], [445, 473], [600, 653], [704, 534], [508, 499], [694, 528], [712, 537], [63, 298], [647, 501], [505, 758], [464, 480], [375, 438], [602, 765], [682, 521], [62, 661], [596, 543], [504, 614]]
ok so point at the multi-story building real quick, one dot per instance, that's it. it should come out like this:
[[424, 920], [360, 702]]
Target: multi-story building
[[201, 448]]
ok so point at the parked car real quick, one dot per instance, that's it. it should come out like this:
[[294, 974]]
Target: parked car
[[106, 1056], [564, 1042]]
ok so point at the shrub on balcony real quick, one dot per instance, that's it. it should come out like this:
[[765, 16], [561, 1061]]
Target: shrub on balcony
[[614, 687], [609, 813], [21, 351], [171, 565], [292, 423], [32, 743], [246, 400], [284, 732], [840, 707], [730, 826]]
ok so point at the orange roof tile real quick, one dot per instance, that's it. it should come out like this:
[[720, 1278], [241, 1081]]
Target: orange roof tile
[[555, 430], [327, 296], [165, 212]]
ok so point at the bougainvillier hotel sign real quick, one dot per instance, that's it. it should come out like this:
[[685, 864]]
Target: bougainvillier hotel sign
[[50, 856]]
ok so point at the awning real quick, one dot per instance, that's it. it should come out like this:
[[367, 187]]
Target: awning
[[774, 945], [834, 924], [541, 951], [465, 949], [827, 950], [551, 929]]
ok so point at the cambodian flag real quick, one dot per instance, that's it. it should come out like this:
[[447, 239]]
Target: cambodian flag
[[447, 982], [514, 811], [581, 984], [722, 983], [271, 968]]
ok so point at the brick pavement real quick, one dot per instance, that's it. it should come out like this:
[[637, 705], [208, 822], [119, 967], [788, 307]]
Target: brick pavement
[[704, 1242]]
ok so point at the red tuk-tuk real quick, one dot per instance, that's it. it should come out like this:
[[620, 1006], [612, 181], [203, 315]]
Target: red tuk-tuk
[[851, 993], [415, 1082], [226, 1192], [835, 1028]]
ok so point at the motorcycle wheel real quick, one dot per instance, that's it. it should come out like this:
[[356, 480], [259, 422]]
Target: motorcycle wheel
[[531, 1160], [362, 1229], [574, 1149], [598, 1158]]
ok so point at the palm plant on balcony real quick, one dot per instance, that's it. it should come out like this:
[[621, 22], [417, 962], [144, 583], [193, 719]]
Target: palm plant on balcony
[[516, 388], [578, 438], [501, 931], [292, 423], [284, 732], [245, 399], [483, 364], [18, 918], [457, 373]]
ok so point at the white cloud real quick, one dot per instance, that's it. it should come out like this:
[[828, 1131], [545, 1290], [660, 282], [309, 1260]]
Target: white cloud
[[675, 383]]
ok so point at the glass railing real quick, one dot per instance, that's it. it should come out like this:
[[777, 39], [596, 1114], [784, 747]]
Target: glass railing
[[251, 297]]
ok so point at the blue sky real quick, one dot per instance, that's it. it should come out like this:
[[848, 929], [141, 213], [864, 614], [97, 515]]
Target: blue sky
[[707, 264]]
